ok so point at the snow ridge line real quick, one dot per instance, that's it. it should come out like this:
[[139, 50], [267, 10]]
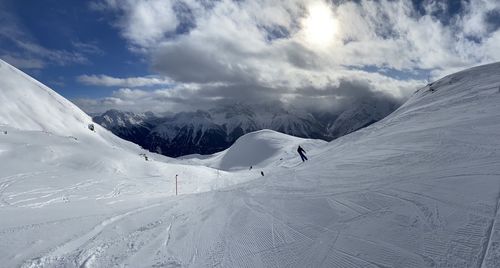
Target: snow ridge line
[[490, 234]]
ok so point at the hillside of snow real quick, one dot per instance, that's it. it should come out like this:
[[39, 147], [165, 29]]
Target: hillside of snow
[[49, 158], [419, 188], [29, 105], [264, 149]]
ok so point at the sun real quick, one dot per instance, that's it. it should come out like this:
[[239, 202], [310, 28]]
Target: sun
[[320, 25]]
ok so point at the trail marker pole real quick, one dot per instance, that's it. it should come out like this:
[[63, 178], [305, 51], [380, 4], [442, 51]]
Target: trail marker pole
[[217, 181], [176, 184]]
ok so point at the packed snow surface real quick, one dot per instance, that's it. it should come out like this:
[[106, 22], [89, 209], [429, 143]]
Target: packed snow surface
[[420, 188]]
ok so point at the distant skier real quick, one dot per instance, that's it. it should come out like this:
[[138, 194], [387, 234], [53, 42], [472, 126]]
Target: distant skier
[[302, 154], [262, 173]]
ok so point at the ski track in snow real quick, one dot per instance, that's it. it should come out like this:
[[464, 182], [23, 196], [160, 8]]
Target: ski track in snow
[[74, 244], [489, 241]]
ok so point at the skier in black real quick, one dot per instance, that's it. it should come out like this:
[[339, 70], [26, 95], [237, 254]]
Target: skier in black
[[302, 154]]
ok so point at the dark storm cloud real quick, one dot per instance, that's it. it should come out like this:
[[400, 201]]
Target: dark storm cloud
[[336, 98], [332, 99], [188, 63]]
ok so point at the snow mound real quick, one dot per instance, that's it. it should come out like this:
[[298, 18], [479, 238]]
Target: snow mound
[[261, 149]]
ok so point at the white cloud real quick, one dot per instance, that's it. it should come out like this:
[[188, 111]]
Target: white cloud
[[258, 49], [23, 63], [142, 22], [474, 21], [109, 81]]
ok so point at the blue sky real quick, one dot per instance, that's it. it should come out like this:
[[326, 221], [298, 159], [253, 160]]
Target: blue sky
[[166, 55], [72, 27]]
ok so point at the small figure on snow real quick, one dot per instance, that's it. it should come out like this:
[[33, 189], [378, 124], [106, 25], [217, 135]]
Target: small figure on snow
[[262, 173], [302, 153], [250, 168], [145, 157], [91, 127]]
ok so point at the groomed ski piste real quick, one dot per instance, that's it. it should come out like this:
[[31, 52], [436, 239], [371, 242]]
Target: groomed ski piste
[[420, 188]]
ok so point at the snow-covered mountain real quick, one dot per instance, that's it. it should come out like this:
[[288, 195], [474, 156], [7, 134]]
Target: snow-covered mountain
[[206, 132], [129, 126], [186, 133], [419, 188], [115, 118]]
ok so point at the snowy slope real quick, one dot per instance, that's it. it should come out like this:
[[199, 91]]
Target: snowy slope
[[53, 167], [29, 105], [24, 105], [44, 133], [264, 149], [420, 188]]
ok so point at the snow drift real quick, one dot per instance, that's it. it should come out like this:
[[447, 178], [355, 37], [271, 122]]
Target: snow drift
[[261, 149]]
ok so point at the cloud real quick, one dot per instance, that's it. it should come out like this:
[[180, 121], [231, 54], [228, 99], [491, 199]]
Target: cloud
[[23, 63], [58, 57], [185, 97], [87, 48], [260, 50], [232, 38], [143, 23], [108, 81]]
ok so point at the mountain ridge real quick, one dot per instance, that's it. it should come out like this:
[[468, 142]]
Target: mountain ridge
[[213, 130]]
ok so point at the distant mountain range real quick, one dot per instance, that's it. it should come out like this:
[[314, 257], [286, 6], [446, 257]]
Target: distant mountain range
[[213, 130]]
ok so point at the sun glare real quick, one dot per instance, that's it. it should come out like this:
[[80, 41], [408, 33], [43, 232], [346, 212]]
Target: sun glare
[[320, 26]]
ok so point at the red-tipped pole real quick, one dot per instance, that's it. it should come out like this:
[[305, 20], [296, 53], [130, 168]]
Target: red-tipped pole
[[176, 184]]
